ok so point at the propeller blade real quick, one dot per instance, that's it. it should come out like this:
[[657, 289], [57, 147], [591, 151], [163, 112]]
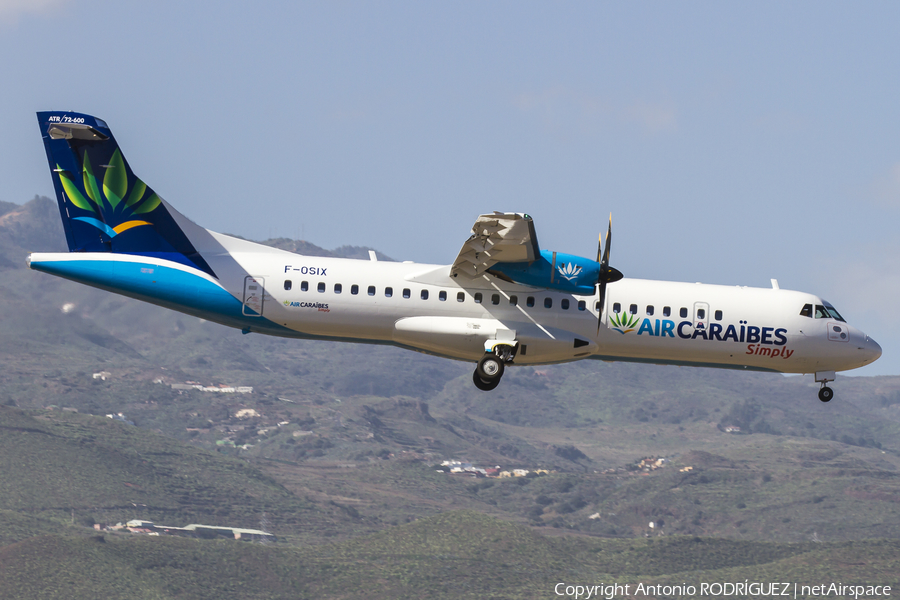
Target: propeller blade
[[605, 260], [606, 274], [601, 299]]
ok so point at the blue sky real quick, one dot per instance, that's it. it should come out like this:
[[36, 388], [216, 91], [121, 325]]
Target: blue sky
[[732, 143]]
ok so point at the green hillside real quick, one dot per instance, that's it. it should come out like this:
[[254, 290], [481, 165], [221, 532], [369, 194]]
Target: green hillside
[[454, 555], [61, 467]]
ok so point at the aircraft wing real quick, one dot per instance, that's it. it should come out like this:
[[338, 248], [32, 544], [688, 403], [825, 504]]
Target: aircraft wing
[[498, 237]]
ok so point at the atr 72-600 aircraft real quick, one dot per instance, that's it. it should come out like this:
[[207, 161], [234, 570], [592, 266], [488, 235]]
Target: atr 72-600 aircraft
[[503, 301]]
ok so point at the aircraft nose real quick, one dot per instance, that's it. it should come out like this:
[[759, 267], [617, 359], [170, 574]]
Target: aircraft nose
[[871, 349]]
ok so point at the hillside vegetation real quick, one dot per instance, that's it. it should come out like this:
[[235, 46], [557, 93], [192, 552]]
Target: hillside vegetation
[[454, 555]]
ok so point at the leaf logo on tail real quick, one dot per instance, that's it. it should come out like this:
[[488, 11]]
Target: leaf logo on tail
[[116, 206]]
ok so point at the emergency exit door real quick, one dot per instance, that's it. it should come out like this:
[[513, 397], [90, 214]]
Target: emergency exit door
[[701, 316]]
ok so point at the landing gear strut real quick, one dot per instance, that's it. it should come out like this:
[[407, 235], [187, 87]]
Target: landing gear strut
[[492, 365]]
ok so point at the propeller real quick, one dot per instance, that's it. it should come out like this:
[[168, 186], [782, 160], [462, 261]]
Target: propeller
[[606, 274]]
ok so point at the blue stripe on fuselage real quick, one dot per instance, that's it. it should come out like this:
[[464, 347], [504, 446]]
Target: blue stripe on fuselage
[[163, 285]]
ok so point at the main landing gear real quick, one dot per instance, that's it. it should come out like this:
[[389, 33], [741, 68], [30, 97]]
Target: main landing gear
[[492, 365]]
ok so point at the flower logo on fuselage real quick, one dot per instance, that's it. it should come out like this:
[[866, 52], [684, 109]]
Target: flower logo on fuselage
[[569, 271], [623, 322]]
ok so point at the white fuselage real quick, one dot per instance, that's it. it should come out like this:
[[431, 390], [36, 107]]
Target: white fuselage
[[421, 307]]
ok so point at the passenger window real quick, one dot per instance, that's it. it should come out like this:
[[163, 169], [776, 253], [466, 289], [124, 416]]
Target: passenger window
[[667, 311], [304, 286], [617, 308], [565, 304], [406, 293], [683, 312], [424, 295], [548, 302], [649, 310], [513, 300], [529, 301], [718, 315], [495, 299], [442, 296], [633, 309], [321, 287], [388, 292], [287, 284], [460, 297], [478, 298], [371, 290], [354, 289], [338, 288], [701, 313], [582, 305], [806, 311]]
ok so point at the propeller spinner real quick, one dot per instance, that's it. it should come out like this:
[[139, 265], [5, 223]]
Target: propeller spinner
[[606, 274]]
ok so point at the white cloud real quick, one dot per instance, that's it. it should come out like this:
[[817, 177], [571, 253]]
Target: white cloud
[[11, 10], [870, 284], [562, 109], [867, 298], [652, 117], [566, 111], [886, 188]]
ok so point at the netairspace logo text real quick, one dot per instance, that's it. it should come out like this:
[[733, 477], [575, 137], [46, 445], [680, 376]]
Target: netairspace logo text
[[739, 589]]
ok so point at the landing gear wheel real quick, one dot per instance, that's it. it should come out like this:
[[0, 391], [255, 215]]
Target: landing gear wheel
[[826, 393], [490, 368], [483, 385]]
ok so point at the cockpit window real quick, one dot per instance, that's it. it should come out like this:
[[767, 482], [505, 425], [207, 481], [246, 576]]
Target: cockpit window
[[833, 312], [827, 312], [806, 311]]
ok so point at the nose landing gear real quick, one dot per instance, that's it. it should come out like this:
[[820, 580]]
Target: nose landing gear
[[492, 365], [484, 386], [825, 392]]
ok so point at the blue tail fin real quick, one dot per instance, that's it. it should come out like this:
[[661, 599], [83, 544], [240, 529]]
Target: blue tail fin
[[103, 205]]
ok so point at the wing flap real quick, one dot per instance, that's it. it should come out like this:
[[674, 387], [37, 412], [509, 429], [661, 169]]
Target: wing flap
[[498, 237]]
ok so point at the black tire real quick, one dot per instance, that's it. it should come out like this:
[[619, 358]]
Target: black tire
[[483, 385], [826, 394], [490, 367]]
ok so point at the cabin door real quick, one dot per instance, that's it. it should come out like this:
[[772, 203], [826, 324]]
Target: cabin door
[[254, 291]]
